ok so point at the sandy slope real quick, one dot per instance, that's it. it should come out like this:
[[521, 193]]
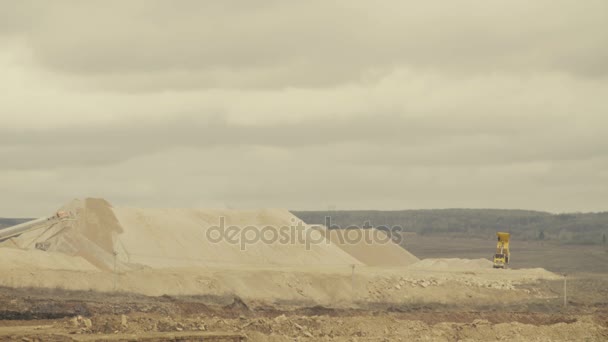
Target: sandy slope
[[15, 259], [129, 238], [168, 251], [163, 238], [371, 247]]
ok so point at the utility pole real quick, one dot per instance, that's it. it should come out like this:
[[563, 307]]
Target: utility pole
[[565, 290], [115, 274], [352, 281]]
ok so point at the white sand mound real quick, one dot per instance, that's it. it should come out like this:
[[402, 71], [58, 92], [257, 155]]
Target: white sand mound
[[479, 265], [15, 259], [178, 238], [453, 264], [129, 238], [372, 247], [89, 233]]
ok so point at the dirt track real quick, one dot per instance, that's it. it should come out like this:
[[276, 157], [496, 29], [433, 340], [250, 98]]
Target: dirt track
[[60, 315], [488, 314]]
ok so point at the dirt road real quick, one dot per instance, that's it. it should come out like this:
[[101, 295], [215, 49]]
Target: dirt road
[[59, 315]]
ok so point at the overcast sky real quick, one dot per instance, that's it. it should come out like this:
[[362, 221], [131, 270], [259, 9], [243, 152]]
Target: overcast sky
[[304, 104]]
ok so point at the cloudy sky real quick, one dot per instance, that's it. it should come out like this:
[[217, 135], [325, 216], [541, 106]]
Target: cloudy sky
[[304, 104]]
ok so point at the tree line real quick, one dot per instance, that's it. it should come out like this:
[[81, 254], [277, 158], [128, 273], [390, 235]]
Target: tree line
[[570, 228]]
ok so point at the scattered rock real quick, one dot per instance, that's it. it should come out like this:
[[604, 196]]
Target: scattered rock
[[280, 319], [75, 322]]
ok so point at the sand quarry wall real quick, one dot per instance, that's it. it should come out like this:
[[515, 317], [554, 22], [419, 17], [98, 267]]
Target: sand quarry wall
[[131, 238]]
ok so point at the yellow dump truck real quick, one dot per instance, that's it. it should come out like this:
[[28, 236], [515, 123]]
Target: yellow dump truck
[[501, 258]]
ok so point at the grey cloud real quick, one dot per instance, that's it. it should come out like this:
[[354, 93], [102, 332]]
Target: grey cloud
[[249, 176], [194, 44], [19, 17], [266, 177], [303, 104], [381, 140]]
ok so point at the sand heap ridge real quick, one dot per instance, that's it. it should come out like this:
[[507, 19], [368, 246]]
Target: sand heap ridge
[[118, 238], [182, 238], [371, 247], [88, 233]]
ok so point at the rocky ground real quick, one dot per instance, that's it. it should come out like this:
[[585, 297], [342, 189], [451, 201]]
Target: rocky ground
[[59, 315]]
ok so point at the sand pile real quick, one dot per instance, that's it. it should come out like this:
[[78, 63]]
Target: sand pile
[[130, 238], [453, 264], [371, 247], [189, 237], [479, 265], [16, 259], [87, 234]]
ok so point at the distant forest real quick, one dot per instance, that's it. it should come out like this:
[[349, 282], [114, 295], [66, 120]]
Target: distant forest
[[575, 228]]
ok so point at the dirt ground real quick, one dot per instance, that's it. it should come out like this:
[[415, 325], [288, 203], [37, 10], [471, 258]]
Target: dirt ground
[[35, 314], [59, 315], [376, 304]]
